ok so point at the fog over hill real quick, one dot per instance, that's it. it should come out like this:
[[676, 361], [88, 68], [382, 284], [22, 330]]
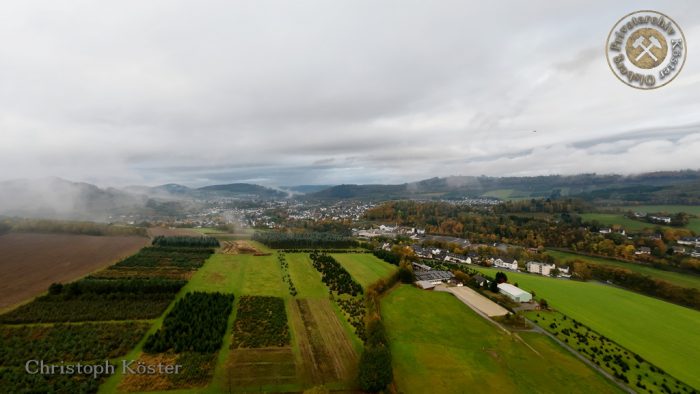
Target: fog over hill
[[59, 198]]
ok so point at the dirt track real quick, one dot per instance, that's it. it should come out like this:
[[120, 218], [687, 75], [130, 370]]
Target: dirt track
[[477, 301], [29, 263]]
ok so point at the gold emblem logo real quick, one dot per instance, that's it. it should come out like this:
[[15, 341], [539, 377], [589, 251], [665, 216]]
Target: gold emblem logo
[[646, 49]]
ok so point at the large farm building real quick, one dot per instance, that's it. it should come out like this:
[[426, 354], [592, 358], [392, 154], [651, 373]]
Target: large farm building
[[514, 293]]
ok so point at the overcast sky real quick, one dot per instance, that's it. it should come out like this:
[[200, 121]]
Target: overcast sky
[[328, 92]]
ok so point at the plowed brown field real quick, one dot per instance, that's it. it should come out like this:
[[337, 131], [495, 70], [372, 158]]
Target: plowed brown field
[[29, 263]]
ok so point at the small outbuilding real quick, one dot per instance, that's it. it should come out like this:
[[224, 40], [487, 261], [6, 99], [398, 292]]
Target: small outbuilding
[[514, 293]]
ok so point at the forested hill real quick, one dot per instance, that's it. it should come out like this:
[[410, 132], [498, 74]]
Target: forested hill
[[678, 187]]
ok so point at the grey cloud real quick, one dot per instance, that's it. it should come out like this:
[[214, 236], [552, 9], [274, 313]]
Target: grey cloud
[[329, 92]]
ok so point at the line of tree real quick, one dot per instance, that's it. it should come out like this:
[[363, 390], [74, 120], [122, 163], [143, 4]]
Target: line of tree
[[72, 227], [111, 286], [196, 323], [388, 256], [375, 372], [306, 240], [186, 241], [334, 275], [68, 342], [286, 278], [98, 299], [158, 256]]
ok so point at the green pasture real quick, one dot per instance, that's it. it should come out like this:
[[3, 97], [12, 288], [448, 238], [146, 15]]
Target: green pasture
[[365, 268], [665, 334], [679, 279], [439, 345]]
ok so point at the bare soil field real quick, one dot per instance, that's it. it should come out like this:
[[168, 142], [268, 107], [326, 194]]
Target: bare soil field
[[29, 263], [240, 247], [326, 350], [172, 232]]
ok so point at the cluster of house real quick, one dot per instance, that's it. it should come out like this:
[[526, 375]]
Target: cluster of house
[[444, 255], [388, 232], [653, 218], [693, 242], [506, 263], [427, 278], [660, 219]]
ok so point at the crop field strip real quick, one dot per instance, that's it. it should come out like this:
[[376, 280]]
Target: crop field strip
[[326, 351], [99, 303], [663, 333], [261, 350]]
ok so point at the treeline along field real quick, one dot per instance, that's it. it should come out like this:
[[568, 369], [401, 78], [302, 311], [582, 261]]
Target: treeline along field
[[280, 240], [186, 241], [71, 227]]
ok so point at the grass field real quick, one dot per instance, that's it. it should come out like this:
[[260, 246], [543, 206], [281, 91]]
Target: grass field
[[439, 345], [611, 219], [694, 223], [635, 225], [305, 277], [663, 333], [684, 280], [364, 267], [242, 274], [691, 209]]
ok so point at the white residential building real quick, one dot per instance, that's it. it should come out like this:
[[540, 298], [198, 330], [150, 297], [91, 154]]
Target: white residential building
[[540, 268], [507, 263]]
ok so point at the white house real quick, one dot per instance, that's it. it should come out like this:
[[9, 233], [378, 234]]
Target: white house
[[643, 250], [458, 258], [690, 241], [662, 219], [695, 253], [514, 293], [539, 268], [507, 263]]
